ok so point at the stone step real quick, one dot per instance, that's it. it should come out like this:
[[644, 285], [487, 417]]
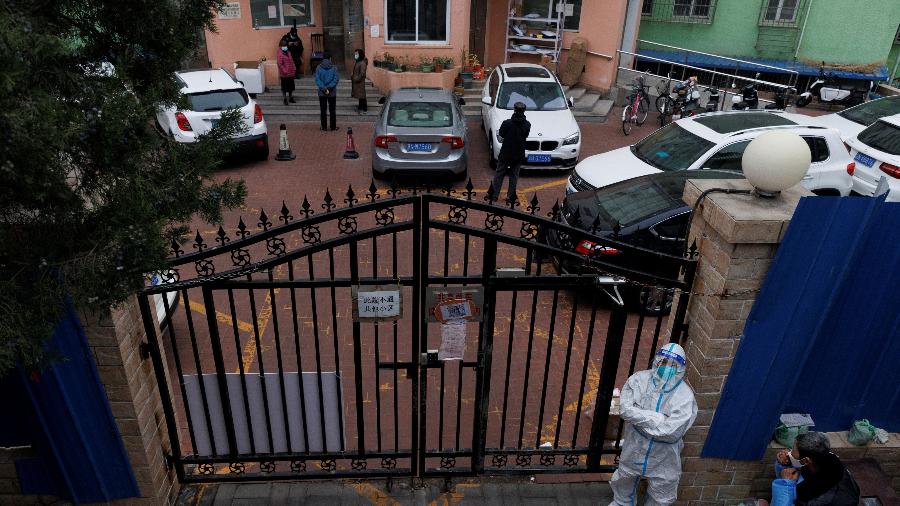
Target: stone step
[[270, 99], [576, 93], [587, 101]]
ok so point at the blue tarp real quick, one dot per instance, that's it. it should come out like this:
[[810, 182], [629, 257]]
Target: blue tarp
[[824, 334], [708, 61]]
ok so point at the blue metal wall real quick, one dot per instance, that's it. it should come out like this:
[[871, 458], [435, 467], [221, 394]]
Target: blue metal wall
[[824, 334], [63, 413]]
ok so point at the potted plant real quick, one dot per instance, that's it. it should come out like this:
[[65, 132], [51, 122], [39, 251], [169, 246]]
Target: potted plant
[[390, 62], [426, 64], [458, 87], [377, 60], [401, 63], [438, 64]]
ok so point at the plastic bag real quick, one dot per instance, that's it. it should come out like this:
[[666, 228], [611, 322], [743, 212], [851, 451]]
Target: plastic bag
[[861, 433], [785, 435], [784, 492]]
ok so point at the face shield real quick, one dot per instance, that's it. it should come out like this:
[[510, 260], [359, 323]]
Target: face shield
[[669, 364]]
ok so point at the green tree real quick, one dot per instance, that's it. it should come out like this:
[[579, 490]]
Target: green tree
[[90, 194]]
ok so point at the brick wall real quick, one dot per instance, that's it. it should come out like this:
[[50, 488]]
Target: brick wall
[[737, 237]]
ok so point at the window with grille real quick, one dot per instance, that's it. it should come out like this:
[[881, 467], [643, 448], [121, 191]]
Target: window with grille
[[647, 9], [278, 13], [417, 21], [781, 10], [692, 8]]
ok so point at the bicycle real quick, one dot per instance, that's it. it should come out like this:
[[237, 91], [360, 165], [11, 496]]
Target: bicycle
[[663, 89], [638, 107]]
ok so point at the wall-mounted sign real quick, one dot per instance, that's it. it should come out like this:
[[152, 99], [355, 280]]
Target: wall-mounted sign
[[377, 302], [230, 10], [448, 304]]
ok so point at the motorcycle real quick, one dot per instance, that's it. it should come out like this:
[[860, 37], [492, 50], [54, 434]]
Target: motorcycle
[[781, 99], [712, 103], [748, 99], [827, 90]]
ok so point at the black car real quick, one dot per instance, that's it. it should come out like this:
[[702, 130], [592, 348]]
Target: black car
[[646, 212]]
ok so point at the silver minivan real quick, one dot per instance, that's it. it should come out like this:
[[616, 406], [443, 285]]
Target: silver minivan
[[420, 132]]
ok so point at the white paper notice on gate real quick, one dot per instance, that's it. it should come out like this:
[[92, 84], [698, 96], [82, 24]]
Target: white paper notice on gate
[[377, 304], [453, 341]]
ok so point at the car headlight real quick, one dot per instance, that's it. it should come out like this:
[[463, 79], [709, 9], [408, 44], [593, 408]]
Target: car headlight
[[568, 141]]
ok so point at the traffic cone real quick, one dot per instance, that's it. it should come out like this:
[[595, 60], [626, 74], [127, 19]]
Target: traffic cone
[[284, 147], [350, 152]]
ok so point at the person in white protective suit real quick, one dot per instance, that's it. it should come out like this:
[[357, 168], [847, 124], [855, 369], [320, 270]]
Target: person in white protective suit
[[658, 408]]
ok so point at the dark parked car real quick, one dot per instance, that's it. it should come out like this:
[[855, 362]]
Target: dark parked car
[[646, 212]]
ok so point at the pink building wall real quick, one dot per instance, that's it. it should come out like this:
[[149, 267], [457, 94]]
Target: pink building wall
[[237, 40]]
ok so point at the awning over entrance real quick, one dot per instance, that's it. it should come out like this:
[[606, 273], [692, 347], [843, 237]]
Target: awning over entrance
[[709, 61]]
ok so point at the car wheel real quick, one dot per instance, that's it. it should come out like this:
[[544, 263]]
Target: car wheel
[[491, 160], [262, 154], [803, 101]]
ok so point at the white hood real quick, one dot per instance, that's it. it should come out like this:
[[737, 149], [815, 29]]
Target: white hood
[[550, 125], [848, 129], [612, 167]]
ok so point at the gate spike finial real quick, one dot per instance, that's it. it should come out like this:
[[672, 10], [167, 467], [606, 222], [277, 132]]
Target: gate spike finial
[[554, 211], [693, 249], [305, 208], [199, 245], [221, 236], [596, 225], [351, 197], [469, 193], [329, 201], [176, 248], [264, 222], [286, 215], [533, 205], [490, 197], [395, 188], [512, 201], [373, 195], [448, 189], [242, 229]]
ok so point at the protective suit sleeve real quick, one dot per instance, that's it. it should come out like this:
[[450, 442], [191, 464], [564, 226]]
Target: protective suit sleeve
[[630, 411], [681, 417]]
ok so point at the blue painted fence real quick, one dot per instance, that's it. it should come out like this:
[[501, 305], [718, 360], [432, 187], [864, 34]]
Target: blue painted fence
[[824, 334]]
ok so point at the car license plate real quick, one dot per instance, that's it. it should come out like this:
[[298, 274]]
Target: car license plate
[[866, 160], [419, 146], [538, 158]]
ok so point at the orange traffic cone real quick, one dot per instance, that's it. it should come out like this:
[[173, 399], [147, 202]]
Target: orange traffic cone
[[284, 147], [350, 151]]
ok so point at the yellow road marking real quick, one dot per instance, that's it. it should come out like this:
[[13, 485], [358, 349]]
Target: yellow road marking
[[374, 495], [222, 317], [531, 189]]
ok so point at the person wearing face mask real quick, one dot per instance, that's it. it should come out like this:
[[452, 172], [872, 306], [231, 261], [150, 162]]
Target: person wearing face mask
[[658, 408], [295, 47], [822, 479], [358, 80], [326, 82], [286, 71]]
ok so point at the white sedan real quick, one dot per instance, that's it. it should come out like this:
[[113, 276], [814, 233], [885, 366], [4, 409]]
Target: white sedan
[[555, 139], [876, 151], [717, 141], [853, 120]]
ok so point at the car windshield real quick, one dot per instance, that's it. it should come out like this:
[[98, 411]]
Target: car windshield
[[882, 136], [420, 114], [631, 205], [870, 112], [671, 148], [218, 100], [536, 96]]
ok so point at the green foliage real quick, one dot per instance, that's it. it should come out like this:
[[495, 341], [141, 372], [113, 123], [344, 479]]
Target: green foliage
[[90, 193]]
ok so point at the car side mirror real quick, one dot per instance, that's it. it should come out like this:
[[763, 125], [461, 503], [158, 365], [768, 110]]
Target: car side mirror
[[487, 101], [571, 101], [461, 101], [381, 101]]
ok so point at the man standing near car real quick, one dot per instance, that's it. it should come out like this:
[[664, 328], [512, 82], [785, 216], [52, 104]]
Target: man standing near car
[[513, 134]]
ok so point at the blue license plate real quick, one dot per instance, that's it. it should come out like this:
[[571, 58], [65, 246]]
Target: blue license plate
[[419, 146], [539, 159], [866, 160]]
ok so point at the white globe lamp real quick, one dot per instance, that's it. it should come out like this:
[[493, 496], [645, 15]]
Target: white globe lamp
[[775, 161]]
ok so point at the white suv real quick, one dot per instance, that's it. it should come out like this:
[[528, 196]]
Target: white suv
[[209, 93], [876, 151], [555, 138], [717, 141]]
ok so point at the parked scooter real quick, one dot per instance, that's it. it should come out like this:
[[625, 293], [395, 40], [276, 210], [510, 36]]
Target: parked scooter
[[781, 99], [748, 99], [712, 103], [827, 90]]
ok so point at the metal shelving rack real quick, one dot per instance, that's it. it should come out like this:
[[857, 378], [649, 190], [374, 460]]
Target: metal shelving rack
[[554, 24]]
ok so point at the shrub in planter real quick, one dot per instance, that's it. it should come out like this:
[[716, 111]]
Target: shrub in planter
[[426, 64]]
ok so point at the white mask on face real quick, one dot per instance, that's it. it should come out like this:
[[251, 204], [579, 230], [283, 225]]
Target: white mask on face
[[284, 48], [794, 462]]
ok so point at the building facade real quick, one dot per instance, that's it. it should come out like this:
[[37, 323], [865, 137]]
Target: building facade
[[249, 30], [853, 36]]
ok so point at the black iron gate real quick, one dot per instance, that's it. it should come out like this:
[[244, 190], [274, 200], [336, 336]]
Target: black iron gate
[[266, 372]]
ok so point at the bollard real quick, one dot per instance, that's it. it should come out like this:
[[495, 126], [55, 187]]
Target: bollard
[[350, 151], [284, 147]]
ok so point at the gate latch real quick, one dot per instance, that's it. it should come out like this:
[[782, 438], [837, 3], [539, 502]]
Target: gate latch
[[429, 359]]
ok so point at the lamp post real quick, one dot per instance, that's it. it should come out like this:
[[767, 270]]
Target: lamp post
[[775, 161]]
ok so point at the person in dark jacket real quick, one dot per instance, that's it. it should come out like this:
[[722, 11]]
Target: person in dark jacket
[[822, 479], [358, 80], [327, 81], [295, 46], [513, 134]]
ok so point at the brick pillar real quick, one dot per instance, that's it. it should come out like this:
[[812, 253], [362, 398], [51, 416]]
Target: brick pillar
[[133, 393], [737, 236]]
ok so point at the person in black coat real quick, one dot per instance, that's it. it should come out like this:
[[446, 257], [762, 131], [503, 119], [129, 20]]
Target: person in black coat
[[513, 134], [826, 481], [295, 47]]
